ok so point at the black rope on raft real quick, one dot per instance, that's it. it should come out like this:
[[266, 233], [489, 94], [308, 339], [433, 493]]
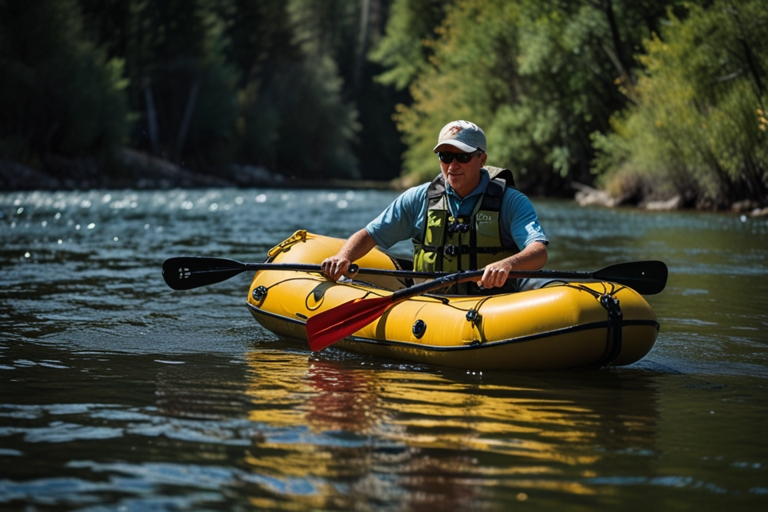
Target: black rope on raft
[[613, 341]]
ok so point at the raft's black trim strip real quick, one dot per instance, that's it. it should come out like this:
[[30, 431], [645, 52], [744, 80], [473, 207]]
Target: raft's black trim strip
[[532, 337], [566, 330]]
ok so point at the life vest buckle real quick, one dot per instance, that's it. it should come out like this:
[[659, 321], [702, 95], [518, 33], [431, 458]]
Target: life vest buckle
[[457, 226]]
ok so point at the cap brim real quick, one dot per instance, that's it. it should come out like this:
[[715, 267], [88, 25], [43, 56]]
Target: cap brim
[[457, 144]]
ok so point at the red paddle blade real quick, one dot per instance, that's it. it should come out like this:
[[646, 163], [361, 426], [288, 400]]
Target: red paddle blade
[[328, 327]]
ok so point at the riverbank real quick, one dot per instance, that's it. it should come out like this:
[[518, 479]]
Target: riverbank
[[142, 171], [588, 196]]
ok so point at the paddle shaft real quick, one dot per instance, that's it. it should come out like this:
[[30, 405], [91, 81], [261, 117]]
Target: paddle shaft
[[646, 277], [184, 273]]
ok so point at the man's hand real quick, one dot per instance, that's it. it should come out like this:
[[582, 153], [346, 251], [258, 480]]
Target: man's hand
[[353, 249], [335, 267], [533, 257], [495, 274]]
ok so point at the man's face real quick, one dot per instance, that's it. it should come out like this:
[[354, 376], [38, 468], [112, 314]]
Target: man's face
[[463, 177]]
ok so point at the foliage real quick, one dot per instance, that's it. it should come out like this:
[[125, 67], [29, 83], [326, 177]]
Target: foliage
[[208, 82], [57, 93], [336, 36], [405, 49], [455, 85], [540, 77], [651, 97], [700, 121], [297, 125], [180, 83]]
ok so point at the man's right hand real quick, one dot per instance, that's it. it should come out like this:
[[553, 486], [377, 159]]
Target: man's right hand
[[335, 267], [353, 249]]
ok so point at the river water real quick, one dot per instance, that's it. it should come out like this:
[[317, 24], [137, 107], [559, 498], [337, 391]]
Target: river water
[[117, 393]]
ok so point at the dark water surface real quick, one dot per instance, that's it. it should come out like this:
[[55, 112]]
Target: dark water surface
[[117, 393]]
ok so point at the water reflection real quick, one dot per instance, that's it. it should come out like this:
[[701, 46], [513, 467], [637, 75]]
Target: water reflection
[[419, 437]]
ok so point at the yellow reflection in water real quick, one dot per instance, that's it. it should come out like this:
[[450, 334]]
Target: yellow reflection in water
[[434, 434]]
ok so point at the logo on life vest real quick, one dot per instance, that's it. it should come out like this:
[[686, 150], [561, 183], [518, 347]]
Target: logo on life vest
[[483, 218]]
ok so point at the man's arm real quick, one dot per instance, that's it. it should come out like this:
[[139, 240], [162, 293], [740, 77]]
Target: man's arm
[[357, 246], [533, 257]]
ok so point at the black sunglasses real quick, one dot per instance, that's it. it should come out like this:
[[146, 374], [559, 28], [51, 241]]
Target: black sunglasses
[[463, 158]]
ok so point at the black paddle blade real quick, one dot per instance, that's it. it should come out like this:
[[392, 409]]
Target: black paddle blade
[[645, 277], [187, 273]]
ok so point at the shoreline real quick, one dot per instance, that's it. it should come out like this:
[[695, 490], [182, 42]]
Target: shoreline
[[587, 196], [142, 171]]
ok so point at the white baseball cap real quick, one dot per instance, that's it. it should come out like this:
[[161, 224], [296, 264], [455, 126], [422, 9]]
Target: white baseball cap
[[463, 135]]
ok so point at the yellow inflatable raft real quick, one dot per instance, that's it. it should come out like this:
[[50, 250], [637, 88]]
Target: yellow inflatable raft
[[559, 326]]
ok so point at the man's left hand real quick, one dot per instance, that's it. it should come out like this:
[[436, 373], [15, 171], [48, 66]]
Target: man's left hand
[[495, 275]]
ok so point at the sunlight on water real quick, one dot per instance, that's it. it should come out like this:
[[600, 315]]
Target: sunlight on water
[[117, 392]]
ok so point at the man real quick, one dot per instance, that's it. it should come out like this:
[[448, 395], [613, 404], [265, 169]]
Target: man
[[462, 220]]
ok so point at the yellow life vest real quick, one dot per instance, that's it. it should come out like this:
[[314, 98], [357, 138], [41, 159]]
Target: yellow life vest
[[451, 244]]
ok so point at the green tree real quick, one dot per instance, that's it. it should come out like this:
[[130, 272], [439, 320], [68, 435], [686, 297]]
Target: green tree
[[335, 36], [406, 48], [180, 83], [293, 118], [58, 95], [699, 126], [222, 81], [539, 76]]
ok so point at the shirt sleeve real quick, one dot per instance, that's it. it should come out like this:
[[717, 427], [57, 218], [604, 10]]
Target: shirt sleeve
[[520, 221], [403, 219]]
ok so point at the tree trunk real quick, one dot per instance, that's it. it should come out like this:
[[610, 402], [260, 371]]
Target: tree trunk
[[184, 128], [151, 120]]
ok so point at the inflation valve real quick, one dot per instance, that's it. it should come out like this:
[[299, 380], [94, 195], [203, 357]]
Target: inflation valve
[[419, 328], [259, 293]]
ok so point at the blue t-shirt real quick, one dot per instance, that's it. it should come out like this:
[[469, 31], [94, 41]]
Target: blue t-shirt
[[404, 218]]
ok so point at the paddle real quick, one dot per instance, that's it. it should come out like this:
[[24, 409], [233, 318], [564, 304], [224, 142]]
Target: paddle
[[330, 326], [185, 273]]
